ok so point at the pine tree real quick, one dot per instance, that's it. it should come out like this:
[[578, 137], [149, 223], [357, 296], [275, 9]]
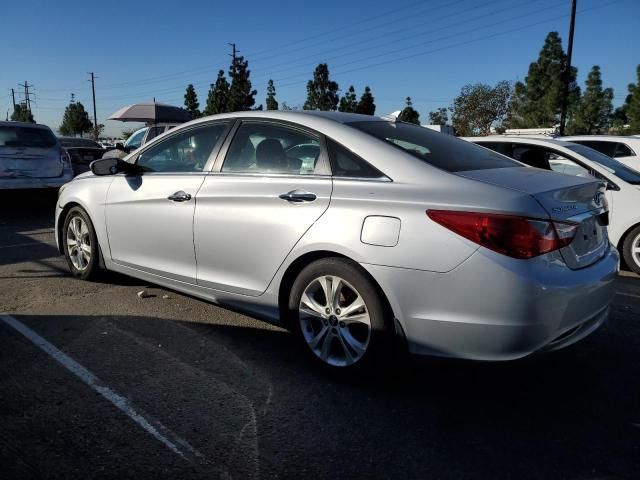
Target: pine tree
[[366, 105], [349, 102], [75, 119], [272, 103], [593, 112], [439, 116], [322, 93], [191, 103], [217, 100], [537, 102], [241, 97], [22, 114], [409, 114], [632, 104]]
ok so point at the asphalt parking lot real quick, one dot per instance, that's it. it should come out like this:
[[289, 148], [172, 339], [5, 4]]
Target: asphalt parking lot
[[235, 398]]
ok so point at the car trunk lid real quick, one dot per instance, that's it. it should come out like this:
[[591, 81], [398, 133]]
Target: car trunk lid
[[566, 198], [29, 162]]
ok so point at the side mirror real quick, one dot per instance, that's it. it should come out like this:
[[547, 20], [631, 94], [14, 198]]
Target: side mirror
[[112, 165], [119, 146]]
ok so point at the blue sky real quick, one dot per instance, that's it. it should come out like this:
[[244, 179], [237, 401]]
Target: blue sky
[[427, 50]]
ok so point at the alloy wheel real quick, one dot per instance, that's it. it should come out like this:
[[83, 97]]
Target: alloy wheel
[[635, 250], [79, 243], [335, 321]]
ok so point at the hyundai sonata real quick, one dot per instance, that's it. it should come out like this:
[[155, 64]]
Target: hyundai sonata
[[352, 230]]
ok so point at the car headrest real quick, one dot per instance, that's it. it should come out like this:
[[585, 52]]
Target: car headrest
[[270, 154]]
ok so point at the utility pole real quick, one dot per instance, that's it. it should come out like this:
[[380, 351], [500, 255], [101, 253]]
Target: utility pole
[[13, 97], [233, 55], [27, 100], [567, 73], [95, 117]]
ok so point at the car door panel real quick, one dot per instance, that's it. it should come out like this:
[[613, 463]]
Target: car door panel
[[149, 216], [148, 231], [243, 230]]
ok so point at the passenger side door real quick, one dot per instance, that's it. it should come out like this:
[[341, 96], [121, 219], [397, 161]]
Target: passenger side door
[[149, 216], [270, 184]]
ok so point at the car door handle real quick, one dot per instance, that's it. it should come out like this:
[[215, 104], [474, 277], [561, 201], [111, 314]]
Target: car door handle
[[179, 197], [298, 196]]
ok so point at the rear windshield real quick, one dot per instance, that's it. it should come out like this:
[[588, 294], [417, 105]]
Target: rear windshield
[[78, 143], [442, 151], [14, 136], [620, 170]]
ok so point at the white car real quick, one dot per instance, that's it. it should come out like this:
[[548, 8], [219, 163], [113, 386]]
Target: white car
[[623, 192], [623, 149], [32, 157]]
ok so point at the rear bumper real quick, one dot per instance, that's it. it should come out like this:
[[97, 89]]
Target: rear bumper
[[492, 307]]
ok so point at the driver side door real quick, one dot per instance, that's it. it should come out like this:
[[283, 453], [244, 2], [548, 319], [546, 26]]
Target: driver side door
[[149, 216]]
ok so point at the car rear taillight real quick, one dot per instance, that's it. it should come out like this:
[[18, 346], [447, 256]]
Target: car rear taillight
[[517, 237], [65, 160]]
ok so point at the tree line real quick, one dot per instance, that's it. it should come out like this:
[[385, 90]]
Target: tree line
[[534, 103], [238, 95], [537, 102]]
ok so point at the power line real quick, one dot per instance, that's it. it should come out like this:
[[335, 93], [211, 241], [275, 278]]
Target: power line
[[305, 74]]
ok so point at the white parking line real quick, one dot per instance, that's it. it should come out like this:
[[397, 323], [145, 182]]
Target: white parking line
[[152, 426]]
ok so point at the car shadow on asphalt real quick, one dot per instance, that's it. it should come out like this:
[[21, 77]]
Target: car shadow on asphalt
[[569, 414]]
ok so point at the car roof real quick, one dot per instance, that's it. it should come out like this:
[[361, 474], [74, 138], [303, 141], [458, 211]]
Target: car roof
[[616, 138], [23, 124], [521, 139], [304, 117]]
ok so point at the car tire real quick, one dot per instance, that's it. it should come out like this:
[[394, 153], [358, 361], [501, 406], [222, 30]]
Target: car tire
[[348, 334], [631, 249], [80, 243]]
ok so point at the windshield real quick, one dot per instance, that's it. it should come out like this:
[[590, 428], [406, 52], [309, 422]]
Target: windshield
[[34, 137], [620, 170], [442, 151]]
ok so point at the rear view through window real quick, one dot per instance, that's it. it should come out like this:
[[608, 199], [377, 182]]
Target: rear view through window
[[442, 151], [33, 137]]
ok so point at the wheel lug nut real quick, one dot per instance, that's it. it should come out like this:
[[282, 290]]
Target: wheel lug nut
[[337, 311], [327, 310], [342, 325]]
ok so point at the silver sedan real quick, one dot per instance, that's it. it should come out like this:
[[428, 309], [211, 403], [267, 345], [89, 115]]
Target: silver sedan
[[358, 233]]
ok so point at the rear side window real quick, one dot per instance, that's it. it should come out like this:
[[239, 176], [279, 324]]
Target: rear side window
[[442, 151], [154, 132], [34, 137], [345, 163], [608, 148]]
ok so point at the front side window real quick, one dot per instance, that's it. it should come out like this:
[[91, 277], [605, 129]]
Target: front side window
[[187, 151], [618, 169], [623, 150], [270, 148], [154, 132], [135, 140], [442, 151]]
